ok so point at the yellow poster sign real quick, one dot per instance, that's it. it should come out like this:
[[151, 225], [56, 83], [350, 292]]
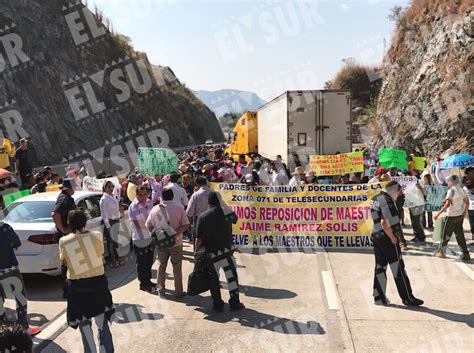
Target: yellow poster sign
[[307, 216], [419, 163], [344, 163], [53, 188]]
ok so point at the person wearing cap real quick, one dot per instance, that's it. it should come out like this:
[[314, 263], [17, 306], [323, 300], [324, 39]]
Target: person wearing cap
[[456, 205], [23, 162], [206, 171], [299, 177], [64, 204], [386, 217]]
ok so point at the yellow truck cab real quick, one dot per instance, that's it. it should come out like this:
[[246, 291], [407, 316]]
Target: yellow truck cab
[[244, 139]]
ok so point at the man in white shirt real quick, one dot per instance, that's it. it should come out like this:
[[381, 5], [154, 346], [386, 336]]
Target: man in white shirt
[[110, 212], [138, 213], [456, 205], [179, 194], [264, 178], [279, 176], [227, 173], [298, 177]]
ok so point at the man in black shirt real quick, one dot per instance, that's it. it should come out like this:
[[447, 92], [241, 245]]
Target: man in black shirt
[[22, 156], [386, 249], [64, 204], [214, 231]]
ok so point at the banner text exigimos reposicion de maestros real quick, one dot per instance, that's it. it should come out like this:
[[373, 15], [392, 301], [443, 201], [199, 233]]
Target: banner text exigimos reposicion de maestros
[[309, 216]]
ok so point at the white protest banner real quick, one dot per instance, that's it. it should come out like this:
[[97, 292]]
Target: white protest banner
[[405, 181], [96, 185], [413, 196], [434, 197]]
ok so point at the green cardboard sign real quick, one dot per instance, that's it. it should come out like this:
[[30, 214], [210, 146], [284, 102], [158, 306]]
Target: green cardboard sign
[[10, 198], [393, 158], [154, 161]]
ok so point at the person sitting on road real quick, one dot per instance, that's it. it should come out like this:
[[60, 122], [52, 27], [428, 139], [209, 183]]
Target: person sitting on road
[[86, 289]]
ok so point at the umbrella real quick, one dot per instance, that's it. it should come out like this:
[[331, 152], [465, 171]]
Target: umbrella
[[5, 173], [457, 161]]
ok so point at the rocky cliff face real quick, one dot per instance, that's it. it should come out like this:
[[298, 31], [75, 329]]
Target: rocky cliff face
[[426, 101], [78, 92]]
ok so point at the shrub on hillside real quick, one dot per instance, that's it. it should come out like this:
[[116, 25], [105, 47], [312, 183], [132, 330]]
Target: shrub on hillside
[[364, 82]]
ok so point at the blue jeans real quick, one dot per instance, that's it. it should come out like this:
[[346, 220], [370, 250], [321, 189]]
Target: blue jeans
[[106, 344]]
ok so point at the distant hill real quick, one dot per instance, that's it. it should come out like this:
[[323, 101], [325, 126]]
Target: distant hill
[[93, 100], [230, 101]]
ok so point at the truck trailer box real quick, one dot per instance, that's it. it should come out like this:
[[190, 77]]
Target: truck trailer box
[[305, 123]]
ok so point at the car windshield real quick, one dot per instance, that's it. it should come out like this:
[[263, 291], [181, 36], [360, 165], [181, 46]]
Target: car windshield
[[35, 211]]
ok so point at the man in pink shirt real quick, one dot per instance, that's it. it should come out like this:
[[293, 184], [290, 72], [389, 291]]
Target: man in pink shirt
[[177, 219]]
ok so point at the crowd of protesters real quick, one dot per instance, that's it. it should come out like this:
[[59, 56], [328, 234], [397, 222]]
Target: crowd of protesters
[[181, 205]]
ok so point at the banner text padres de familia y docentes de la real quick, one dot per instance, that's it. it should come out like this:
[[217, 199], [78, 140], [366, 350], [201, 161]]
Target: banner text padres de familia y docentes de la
[[308, 216]]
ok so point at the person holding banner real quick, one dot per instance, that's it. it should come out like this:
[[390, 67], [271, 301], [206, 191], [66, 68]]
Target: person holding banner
[[386, 219], [456, 205]]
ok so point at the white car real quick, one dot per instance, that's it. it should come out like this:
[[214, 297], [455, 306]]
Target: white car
[[30, 217]]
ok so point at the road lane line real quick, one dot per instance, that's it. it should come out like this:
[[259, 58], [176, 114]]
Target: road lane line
[[52, 331], [330, 289], [462, 266]]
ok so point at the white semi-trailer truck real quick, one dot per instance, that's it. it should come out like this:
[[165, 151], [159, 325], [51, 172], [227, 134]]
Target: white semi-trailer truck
[[305, 123]]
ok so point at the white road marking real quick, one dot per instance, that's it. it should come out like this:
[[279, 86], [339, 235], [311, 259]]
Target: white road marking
[[52, 330], [463, 267], [330, 289]]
